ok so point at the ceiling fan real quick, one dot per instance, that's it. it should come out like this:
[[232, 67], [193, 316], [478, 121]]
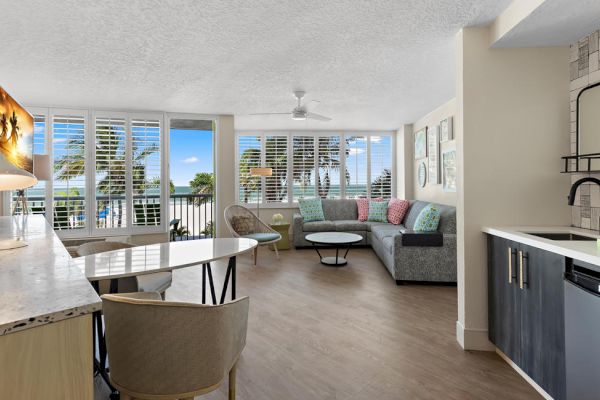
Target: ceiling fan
[[301, 112]]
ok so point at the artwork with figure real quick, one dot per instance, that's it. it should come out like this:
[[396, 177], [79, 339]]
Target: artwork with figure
[[16, 132]]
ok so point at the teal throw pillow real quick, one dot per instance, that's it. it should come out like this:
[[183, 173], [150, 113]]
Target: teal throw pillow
[[311, 210], [428, 219], [378, 211]]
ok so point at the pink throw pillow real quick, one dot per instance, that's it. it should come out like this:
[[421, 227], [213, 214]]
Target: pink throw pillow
[[363, 208], [396, 210]]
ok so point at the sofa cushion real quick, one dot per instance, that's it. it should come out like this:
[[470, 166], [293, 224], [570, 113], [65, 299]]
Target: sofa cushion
[[363, 209], [371, 224], [397, 210], [263, 236], [387, 230], [242, 224], [378, 211], [338, 209], [428, 219], [413, 213], [319, 226], [350, 225], [388, 244], [311, 209]]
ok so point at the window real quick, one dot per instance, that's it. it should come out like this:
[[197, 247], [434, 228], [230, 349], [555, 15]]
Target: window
[[69, 183], [356, 166], [249, 156], [306, 165], [110, 179], [303, 165], [146, 171], [276, 156], [36, 197], [381, 166]]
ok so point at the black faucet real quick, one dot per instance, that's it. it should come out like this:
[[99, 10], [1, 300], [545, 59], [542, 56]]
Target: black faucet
[[577, 184]]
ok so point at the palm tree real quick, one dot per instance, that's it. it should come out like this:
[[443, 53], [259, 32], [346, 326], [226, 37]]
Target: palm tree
[[250, 159], [203, 183], [381, 185], [111, 161]]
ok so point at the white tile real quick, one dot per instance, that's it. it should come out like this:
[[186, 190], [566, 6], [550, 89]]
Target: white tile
[[579, 82], [574, 52], [594, 77], [585, 223]]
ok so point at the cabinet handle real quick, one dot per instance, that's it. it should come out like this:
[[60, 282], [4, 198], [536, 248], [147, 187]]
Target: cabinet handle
[[510, 253], [525, 278], [520, 269]]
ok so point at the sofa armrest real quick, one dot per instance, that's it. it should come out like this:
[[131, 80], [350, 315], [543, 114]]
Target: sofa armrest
[[297, 225], [421, 239]]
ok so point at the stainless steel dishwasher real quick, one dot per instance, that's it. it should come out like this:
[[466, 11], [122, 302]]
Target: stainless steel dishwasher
[[582, 331]]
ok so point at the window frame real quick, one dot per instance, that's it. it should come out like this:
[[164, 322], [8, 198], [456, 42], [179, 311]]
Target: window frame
[[343, 134]]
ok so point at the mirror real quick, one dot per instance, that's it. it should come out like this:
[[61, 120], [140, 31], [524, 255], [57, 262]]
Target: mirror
[[588, 125]]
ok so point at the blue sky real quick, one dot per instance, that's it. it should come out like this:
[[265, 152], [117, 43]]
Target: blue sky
[[191, 152]]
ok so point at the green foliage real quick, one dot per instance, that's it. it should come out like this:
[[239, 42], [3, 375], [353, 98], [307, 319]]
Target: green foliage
[[203, 183]]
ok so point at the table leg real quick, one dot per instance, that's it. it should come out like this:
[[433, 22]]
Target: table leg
[[233, 262], [99, 340], [211, 284], [203, 283], [348, 249]]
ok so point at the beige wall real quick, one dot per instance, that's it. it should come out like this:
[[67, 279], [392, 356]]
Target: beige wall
[[433, 192], [512, 115], [404, 162]]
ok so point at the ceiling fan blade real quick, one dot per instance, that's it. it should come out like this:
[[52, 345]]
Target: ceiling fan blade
[[312, 105], [286, 113], [318, 117]]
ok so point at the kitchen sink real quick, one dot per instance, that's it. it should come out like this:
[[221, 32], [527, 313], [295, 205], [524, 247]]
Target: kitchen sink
[[561, 236]]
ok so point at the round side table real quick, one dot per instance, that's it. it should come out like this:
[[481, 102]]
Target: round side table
[[283, 230]]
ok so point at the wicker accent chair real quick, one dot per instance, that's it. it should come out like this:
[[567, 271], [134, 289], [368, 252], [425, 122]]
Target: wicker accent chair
[[242, 223], [171, 350], [156, 282]]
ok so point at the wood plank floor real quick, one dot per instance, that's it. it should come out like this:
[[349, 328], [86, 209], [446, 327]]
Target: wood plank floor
[[317, 332]]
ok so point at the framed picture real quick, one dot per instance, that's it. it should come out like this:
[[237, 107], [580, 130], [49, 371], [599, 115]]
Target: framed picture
[[449, 170], [421, 144], [433, 151], [422, 174], [446, 130]]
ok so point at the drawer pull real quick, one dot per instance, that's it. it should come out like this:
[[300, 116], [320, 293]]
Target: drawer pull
[[520, 269], [510, 253]]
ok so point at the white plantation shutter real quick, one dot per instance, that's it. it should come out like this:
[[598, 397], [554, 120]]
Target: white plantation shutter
[[328, 162], [248, 156], [303, 167], [356, 167], [110, 177], [69, 183], [381, 166], [146, 171], [276, 157]]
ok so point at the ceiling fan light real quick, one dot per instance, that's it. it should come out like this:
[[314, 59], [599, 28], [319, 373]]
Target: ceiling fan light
[[298, 116]]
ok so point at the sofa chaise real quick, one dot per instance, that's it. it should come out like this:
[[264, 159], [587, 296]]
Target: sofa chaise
[[408, 255]]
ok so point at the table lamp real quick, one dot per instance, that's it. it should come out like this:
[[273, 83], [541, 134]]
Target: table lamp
[[260, 172], [13, 178], [41, 170]]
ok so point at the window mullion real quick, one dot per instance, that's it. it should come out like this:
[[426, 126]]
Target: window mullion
[[369, 167]]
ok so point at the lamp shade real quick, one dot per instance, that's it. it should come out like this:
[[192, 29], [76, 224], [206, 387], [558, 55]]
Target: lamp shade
[[261, 171], [13, 178], [41, 167]]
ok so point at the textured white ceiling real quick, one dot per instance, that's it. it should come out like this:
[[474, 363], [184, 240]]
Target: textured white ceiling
[[555, 23], [372, 64]]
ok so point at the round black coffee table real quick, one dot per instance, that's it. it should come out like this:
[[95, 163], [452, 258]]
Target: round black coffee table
[[337, 239]]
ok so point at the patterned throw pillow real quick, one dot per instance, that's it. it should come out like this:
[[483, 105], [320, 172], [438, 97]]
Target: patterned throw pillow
[[397, 210], [378, 211], [311, 210], [428, 219], [363, 208], [242, 225]]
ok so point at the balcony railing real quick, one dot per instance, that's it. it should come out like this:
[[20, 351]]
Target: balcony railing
[[190, 215]]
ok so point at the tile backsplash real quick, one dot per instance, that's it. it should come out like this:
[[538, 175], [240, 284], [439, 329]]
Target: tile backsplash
[[584, 70]]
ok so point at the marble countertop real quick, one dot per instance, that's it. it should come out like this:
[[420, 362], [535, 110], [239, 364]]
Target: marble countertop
[[159, 257], [38, 283], [582, 250]]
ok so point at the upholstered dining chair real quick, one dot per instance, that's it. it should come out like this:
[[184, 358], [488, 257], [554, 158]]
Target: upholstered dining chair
[[242, 222], [156, 282], [170, 350]]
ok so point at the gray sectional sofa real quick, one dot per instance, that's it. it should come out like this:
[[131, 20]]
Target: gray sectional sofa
[[407, 255]]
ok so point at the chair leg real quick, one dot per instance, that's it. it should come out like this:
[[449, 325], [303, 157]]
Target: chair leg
[[255, 254], [232, 382], [276, 251], [162, 295]]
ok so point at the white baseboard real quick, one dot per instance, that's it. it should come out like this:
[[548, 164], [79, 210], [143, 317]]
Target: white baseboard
[[473, 339], [524, 375]]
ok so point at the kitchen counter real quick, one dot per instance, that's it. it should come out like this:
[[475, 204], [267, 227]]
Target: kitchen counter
[[585, 251], [39, 284]]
